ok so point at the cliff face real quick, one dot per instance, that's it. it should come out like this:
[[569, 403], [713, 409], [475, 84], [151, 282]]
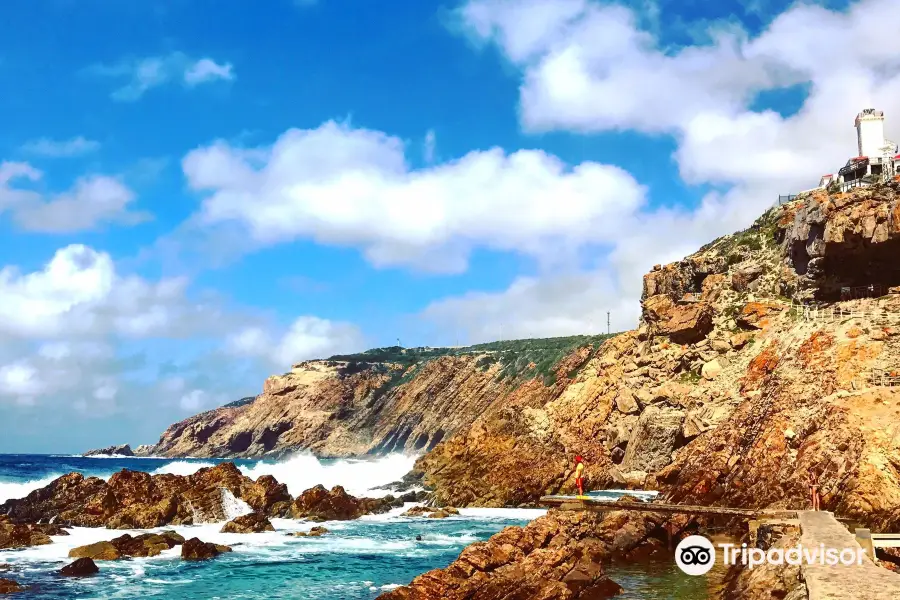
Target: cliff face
[[376, 403], [728, 392]]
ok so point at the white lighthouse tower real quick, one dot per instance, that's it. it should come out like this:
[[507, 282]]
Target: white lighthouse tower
[[870, 133]]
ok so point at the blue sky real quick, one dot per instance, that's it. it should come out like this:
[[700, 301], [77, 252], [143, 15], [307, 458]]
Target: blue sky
[[228, 189]]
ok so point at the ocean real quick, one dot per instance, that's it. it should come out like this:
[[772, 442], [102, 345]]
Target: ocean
[[357, 560]]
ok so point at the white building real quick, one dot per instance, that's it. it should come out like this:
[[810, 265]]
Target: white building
[[870, 135], [877, 156]]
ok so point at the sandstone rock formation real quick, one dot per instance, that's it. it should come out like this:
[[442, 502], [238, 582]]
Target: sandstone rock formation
[[136, 500], [147, 544], [319, 504], [22, 535], [194, 549], [724, 394], [253, 523], [557, 557], [80, 568]]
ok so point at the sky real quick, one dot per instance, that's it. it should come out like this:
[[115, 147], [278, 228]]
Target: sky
[[197, 194]]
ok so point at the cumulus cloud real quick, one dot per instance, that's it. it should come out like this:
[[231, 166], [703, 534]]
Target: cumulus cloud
[[346, 186], [307, 337], [565, 304], [590, 67], [76, 146], [90, 203], [79, 293], [144, 74]]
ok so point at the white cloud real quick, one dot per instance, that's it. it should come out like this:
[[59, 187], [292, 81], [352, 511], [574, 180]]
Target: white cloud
[[147, 73], [564, 304], [79, 293], [353, 187], [61, 148], [193, 400], [91, 202], [206, 70], [308, 337], [589, 67]]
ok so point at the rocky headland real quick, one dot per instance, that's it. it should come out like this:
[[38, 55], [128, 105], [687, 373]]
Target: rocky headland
[[757, 360]]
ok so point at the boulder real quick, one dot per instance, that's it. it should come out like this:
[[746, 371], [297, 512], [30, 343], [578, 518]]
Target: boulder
[[319, 504], [8, 586], [316, 531], [681, 323], [743, 277], [194, 549], [80, 568], [625, 402], [739, 340], [147, 544], [96, 551], [757, 315], [253, 523], [23, 535], [431, 512], [711, 370], [653, 439]]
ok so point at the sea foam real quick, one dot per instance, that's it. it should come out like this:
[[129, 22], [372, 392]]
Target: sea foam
[[359, 477], [16, 489]]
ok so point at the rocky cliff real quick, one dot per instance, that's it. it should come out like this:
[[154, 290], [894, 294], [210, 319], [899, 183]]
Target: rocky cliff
[[752, 365], [381, 401]]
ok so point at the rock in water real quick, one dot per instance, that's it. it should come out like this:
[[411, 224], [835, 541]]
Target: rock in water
[[123, 450], [147, 544], [8, 586], [137, 500], [80, 568], [253, 523], [314, 532], [96, 551], [319, 504], [194, 549], [431, 512], [24, 535], [556, 557]]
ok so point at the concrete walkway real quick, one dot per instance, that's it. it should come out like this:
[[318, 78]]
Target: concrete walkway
[[867, 581]]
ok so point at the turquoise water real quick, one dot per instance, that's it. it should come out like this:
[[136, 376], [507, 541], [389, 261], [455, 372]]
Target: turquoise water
[[358, 560]]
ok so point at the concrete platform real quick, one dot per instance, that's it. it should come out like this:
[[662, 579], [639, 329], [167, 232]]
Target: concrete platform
[[867, 581]]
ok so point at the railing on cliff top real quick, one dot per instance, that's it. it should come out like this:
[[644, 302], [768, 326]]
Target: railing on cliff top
[[873, 314]]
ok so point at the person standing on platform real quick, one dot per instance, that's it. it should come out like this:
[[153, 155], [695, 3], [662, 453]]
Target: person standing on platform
[[579, 474]]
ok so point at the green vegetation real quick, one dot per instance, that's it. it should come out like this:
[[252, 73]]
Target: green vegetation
[[241, 402], [515, 357], [689, 377]]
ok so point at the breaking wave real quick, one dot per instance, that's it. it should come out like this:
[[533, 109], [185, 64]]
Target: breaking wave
[[182, 467], [10, 489], [359, 477]]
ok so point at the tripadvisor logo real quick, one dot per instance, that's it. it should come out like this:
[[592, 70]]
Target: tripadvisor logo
[[695, 555]]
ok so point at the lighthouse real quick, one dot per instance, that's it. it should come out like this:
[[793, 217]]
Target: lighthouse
[[870, 134]]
